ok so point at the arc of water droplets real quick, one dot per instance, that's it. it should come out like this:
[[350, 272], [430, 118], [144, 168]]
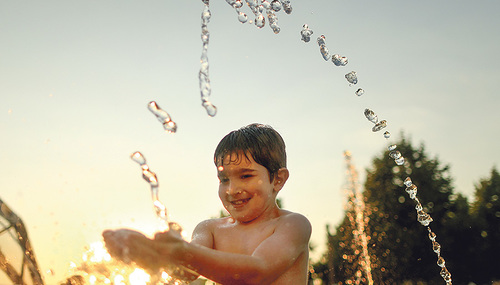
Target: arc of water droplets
[[422, 217], [203, 75], [337, 59], [162, 116], [425, 219], [150, 177], [257, 7]]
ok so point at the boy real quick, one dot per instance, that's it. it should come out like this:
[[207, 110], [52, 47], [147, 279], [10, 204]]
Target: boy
[[258, 244]]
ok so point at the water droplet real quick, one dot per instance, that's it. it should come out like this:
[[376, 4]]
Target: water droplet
[[251, 3], [203, 75], [400, 161], [432, 236], [387, 134], [436, 247], [139, 158], [441, 262], [351, 77], [395, 154], [418, 207], [162, 116], [210, 108], [392, 147], [273, 21], [360, 92], [446, 275], [265, 4], [306, 33], [260, 21], [150, 177], [371, 116], [339, 60], [380, 125], [287, 7], [242, 17], [424, 218], [235, 3], [276, 5], [322, 48], [412, 191], [206, 15], [170, 126], [238, 3], [408, 182]]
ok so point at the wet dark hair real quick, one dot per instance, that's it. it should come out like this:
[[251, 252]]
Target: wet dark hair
[[262, 142]]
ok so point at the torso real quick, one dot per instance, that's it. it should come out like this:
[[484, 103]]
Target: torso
[[230, 236]]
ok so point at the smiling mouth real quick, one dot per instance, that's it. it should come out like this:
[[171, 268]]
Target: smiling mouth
[[239, 202]]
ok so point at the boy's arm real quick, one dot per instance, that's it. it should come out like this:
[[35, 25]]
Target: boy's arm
[[271, 259]]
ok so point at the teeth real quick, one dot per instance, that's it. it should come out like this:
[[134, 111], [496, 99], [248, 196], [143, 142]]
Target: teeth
[[239, 202]]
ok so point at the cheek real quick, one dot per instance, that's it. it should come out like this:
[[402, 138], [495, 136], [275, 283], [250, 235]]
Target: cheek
[[221, 193]]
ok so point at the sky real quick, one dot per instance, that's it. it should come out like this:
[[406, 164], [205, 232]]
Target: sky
[[76, 78]]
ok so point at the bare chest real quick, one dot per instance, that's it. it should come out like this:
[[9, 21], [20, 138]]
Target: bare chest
[[242, 239]]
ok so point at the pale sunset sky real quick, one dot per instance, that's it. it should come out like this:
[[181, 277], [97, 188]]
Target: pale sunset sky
[[76, 78]]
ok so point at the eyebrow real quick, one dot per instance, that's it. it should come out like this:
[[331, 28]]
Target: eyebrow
[[239, 171]]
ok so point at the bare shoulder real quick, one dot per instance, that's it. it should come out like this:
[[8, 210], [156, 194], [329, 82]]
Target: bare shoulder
[[294, 221], [203, 234]]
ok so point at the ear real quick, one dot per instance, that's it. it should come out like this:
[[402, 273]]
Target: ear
[[280, 179]]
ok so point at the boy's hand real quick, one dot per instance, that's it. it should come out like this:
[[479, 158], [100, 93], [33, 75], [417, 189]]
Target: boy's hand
[[129, 245], [169, 243]]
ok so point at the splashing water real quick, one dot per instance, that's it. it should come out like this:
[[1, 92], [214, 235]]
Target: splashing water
[[424, 219], [174, 272], [351, 77], [306, 33], [322, 48], [273, 21], [203, 75], [287, 7], [360, 92], [276, 5], [360, 237], [97, 267], [162, 116], [260, 20], [380, 125], [150, 177], [339, 60], [371, 116]]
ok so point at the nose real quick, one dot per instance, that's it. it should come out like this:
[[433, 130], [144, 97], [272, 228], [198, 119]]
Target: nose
[[233, 188]]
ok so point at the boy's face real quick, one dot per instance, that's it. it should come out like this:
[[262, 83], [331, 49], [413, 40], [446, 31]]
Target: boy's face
[[245, 188]]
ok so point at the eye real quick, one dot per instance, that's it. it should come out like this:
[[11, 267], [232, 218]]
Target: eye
[[246, 176], [223, 179]]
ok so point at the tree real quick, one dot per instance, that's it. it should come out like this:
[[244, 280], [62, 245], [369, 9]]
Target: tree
[[486, 225], [399, 246], [399, 243]]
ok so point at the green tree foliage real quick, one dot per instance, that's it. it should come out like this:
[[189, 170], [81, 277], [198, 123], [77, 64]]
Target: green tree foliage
[[399, 246], [486, 227]]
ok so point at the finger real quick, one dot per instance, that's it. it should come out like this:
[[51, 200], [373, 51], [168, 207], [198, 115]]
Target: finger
[[143, 253]]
